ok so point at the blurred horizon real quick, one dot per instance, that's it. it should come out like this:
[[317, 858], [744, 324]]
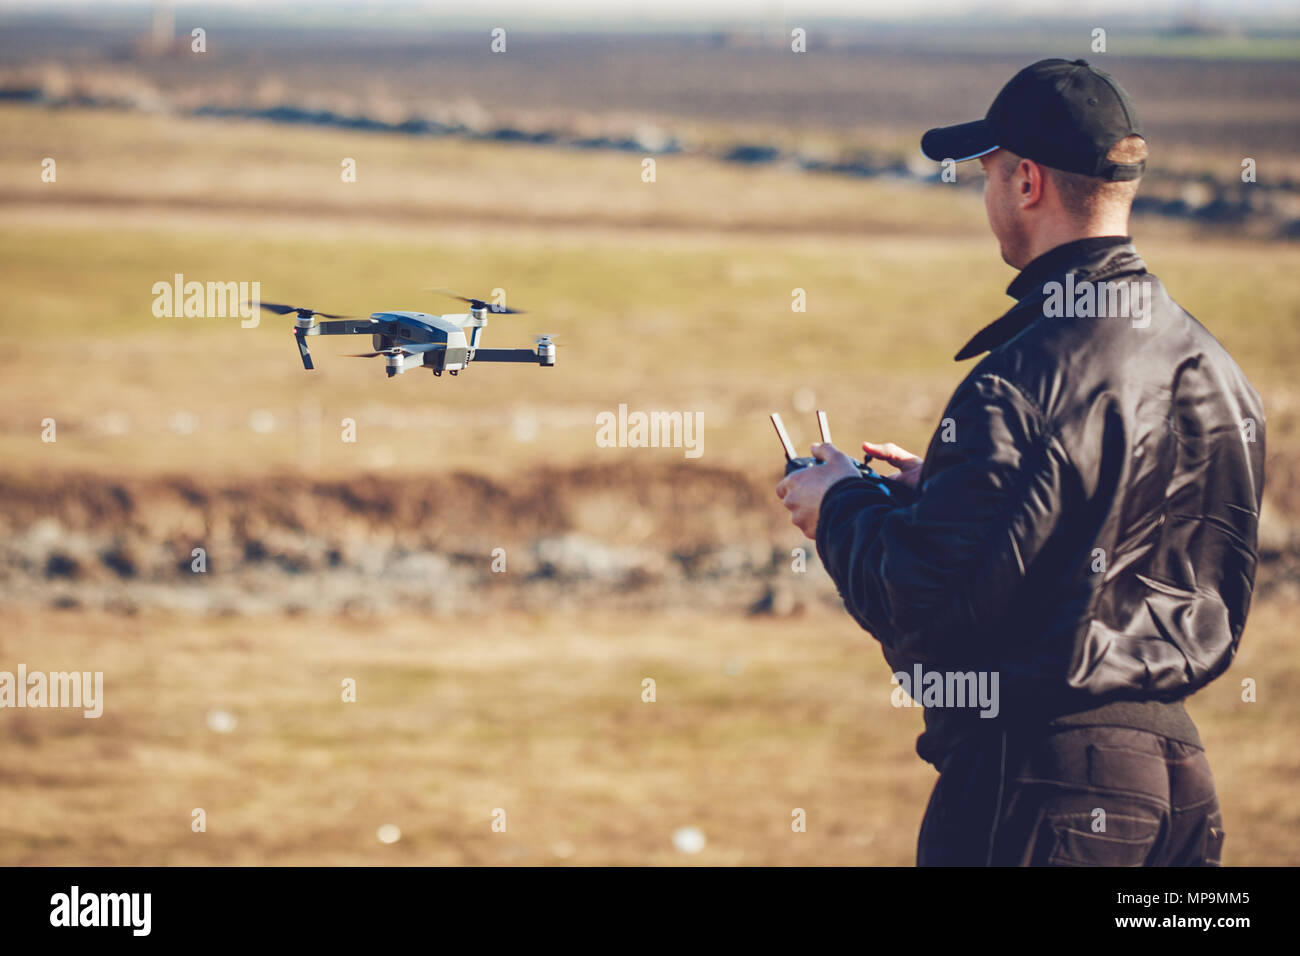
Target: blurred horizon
[[945, 21]]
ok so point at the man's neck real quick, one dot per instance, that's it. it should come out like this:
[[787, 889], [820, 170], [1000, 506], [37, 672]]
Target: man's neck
[[1059, 259], [1051, 237]]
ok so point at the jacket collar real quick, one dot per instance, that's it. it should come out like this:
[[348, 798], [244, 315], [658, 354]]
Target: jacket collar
[[1096, 257]]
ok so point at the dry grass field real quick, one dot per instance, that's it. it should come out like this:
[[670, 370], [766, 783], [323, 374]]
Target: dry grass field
[[539, 715], [675, 294], [523, 693]]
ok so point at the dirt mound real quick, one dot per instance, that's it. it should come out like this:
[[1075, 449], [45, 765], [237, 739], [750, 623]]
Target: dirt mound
[[673, 535], [443, 542]]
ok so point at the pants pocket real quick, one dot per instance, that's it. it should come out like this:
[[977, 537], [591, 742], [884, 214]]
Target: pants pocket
[[1127, 840]]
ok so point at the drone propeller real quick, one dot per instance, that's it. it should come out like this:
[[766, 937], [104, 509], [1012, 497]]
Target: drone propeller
[[479, 303], [302, 313]]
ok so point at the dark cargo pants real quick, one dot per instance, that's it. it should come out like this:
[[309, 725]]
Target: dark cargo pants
[[1084, 796]]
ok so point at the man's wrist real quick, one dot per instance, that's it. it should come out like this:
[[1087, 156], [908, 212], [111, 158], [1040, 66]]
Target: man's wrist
[[858, 485], [834, 491]]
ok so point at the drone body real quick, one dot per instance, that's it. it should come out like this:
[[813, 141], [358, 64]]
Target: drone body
[[441, 343]]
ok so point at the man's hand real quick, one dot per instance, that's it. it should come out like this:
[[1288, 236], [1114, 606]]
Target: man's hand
[[802, 491], [908, 465]]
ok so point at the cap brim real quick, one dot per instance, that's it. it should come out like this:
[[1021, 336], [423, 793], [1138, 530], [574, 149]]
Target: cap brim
[[959, 143]]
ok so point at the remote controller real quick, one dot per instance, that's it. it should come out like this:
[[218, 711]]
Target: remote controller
[[896, 492]]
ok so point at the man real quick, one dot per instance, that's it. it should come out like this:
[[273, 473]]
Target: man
[[1084, 531]]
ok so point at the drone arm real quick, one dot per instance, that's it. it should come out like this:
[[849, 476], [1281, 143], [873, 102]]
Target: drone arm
[[345, 327], [510, 355], [302, 349]]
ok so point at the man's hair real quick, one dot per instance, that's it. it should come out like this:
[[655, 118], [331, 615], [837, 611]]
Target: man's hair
[[1085, 197]]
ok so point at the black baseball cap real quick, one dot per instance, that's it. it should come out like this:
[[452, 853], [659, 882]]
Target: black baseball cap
[[1062, 113]]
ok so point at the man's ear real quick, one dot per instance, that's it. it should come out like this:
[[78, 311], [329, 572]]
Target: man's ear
[[1030, 183]]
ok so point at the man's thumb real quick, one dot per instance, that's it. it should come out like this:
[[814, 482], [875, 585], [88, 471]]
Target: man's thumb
[[823, 450]]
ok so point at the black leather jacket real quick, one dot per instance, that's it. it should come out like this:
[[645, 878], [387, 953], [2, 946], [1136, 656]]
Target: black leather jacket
[[1088, 510]]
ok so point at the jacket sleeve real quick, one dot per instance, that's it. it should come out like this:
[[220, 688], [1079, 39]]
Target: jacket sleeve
[[931, 578]]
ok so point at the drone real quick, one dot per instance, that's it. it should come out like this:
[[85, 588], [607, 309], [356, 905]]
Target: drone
[[408, 340]]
